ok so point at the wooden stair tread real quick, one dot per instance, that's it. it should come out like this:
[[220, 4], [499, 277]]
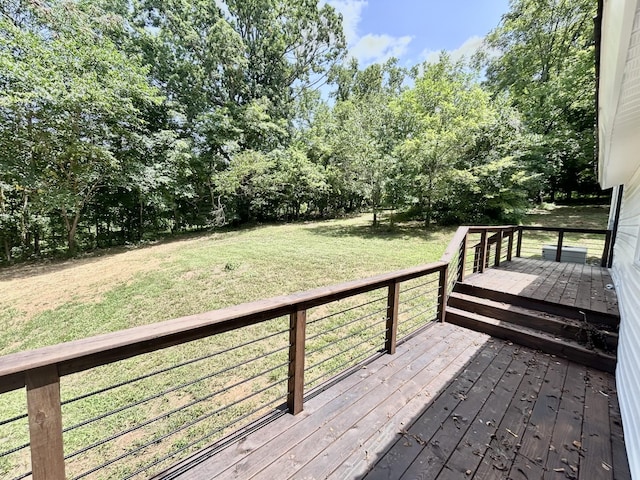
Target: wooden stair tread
[[534, 338], [607, 321], [569, 328]]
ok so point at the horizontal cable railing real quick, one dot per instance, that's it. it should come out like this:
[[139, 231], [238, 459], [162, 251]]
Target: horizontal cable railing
[[589, 246]]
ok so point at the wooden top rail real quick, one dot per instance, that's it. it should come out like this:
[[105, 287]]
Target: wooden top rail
[[454, 245], [498, 228], [566, 230], [83, 354], [480, 229]]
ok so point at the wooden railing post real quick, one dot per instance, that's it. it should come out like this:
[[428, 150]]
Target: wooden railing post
[[510, 246], [442, 292], [45, 423], [483, 251], [496, 263], [606, 252], [559, 246], [463, 258], [393, 300], [295, 391], [519, 243]]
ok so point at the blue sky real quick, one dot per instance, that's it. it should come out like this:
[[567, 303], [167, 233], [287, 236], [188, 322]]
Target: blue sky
[[416, 30]]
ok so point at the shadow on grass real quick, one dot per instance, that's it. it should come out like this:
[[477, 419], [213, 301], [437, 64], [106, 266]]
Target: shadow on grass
[[587, 216], [41, 266], [382, 232]]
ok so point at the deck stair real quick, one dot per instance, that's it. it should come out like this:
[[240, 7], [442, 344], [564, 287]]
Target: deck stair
[[580, 335]]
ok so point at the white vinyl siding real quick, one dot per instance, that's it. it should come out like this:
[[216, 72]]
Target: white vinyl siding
[[626, 275]]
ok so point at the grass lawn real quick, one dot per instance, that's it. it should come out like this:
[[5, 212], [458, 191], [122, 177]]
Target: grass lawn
[[48, 303]]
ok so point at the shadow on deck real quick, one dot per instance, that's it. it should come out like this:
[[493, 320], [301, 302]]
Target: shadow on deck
[[450, 404]]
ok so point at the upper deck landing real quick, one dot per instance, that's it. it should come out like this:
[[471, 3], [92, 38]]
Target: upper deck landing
[[570, 284]]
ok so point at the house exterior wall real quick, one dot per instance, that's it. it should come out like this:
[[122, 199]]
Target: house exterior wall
[[626, 276]]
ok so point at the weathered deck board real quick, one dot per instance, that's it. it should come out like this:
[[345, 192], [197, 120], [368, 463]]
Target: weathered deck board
[[597, 463], [536, 438], [504, 446], [570, 284], [564, 455], [450, 404]]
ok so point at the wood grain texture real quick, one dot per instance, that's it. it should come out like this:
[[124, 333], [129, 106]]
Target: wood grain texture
[[420, 412], [295, 388], [393, 303], [45, 423]]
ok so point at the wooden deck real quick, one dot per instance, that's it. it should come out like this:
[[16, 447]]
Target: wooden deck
[[450, 404], [570, 284]]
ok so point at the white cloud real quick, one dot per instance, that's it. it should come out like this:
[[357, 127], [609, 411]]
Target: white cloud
[[351, 11], [369, 48], [377, 48], [466, 50]]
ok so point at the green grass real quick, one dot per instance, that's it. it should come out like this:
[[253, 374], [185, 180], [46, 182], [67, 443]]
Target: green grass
[[201, 273], [226, 269]]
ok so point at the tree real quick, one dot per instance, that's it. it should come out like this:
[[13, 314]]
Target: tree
[[74, 99], [546, 65], [436, 119]]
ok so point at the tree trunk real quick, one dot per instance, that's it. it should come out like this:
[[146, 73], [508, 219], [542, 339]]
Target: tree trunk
[[71, 226], [7, 249], [36, 242]]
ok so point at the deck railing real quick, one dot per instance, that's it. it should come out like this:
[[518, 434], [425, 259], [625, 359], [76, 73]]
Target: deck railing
[[494, 245], [131, 402]]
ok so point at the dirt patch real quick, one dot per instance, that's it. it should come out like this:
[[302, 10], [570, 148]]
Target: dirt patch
[[32, 289]]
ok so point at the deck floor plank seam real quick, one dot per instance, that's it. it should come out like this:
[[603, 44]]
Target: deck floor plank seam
[[564, 453], [370, 426], [552, 282], [306, 450], [333, 400], [441, 444], [358, 463], [409, 446], [534, 446], [474, 444], [504, 446], [597, 460], [557, 292]]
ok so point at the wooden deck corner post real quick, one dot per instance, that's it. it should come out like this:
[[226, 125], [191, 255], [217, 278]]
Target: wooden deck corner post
[[393, 300], [442, 292], [463, 258], [559, 246], [519, 243], [510, 245], [45, 423], [483, 251], [295, 390], [606, 252], [496, 263]]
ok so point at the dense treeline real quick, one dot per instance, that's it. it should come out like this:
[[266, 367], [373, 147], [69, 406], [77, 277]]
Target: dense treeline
[[121, 119]]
